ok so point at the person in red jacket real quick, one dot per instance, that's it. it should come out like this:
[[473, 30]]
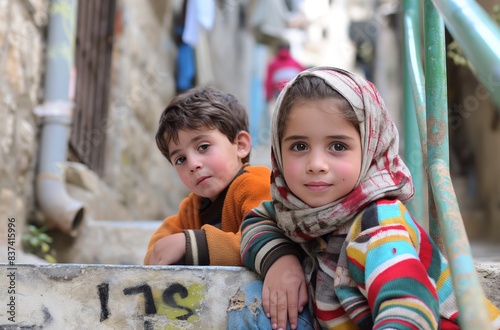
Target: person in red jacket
[[282, 68]]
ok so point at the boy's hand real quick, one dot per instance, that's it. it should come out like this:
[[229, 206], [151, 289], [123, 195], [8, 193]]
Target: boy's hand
[[168, 249], [284, 292]]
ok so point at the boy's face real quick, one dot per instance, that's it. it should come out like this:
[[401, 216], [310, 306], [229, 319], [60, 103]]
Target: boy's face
[[321, 152], [206, 161]]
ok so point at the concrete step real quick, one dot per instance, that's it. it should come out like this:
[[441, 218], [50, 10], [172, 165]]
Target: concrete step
[[77, 296], [106, 242]]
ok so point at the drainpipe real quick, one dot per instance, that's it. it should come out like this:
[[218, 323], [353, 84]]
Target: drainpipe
[[60, 209]]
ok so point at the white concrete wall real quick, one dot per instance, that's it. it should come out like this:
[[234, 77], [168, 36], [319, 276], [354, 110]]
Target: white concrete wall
[[118, 297]]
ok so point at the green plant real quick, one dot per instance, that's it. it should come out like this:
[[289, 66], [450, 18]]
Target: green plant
[[37, 242], [455, 52]]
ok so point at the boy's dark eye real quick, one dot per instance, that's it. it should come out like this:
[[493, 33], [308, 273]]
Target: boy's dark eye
[[203, 147], [179, 160], [299, 146]]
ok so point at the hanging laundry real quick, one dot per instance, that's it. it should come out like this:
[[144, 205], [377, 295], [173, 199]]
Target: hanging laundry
[[186, 67], [199, 14], [185, 62]]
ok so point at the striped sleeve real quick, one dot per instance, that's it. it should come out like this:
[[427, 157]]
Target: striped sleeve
[[196, 248], [391, 260], [262, 241]]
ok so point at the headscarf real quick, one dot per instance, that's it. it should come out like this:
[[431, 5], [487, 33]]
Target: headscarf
[[383, 173]]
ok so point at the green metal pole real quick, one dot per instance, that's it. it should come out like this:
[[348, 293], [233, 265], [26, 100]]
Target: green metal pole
[[413, 146], [436, 101], [469, 295]]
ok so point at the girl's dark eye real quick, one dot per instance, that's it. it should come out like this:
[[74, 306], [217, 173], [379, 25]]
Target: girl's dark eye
[[299, 146], [339, 146]]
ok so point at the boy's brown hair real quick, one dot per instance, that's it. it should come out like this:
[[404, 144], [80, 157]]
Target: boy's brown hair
[[201, 108]]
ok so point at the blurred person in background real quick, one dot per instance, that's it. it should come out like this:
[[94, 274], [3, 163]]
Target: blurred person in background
[[280, 70]]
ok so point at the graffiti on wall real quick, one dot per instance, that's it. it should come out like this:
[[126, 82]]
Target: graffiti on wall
[[176, 302]]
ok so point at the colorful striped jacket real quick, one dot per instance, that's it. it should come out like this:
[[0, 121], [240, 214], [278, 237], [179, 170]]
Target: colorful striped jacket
[[388, 274]]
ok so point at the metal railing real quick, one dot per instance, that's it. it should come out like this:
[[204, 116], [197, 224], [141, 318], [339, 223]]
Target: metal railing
[[426, 120]]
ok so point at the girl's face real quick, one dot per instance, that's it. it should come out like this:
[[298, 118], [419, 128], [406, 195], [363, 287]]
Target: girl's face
[[321, 152]]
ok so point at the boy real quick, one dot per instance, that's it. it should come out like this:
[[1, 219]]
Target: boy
[[203, 133]]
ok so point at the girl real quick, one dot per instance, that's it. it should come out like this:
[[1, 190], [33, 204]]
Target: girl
[[336, 236]]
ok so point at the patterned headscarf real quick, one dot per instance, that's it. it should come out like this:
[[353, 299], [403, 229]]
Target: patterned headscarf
[[383, 173]]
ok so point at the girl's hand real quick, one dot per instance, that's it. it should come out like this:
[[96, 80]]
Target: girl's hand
[[284, 293]]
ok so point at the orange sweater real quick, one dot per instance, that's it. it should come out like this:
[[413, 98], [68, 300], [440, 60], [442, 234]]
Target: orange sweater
[[207, 243]]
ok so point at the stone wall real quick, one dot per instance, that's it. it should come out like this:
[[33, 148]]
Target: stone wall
[[142, 83], [22, 25]]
